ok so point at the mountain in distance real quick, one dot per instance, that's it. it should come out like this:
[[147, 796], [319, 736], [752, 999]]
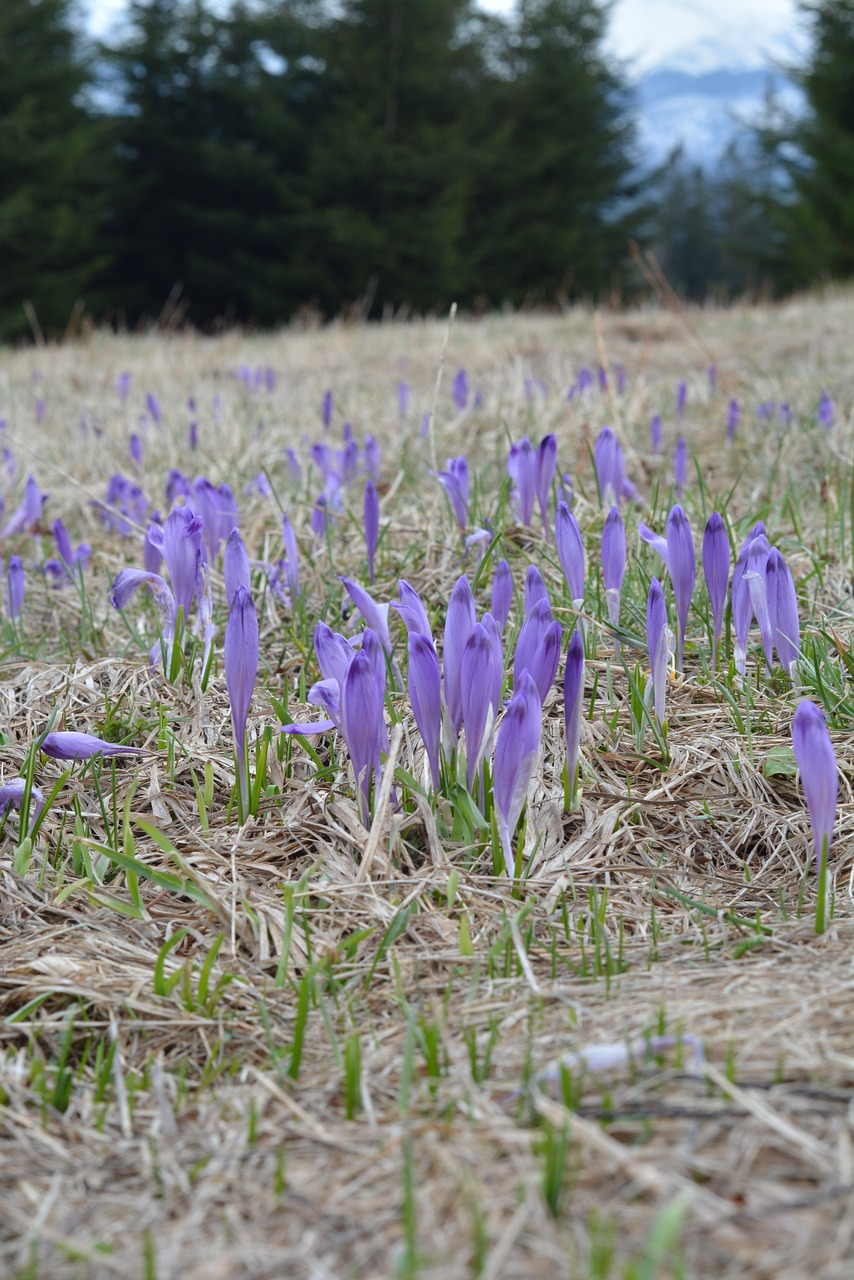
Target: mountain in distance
[[708, 93]]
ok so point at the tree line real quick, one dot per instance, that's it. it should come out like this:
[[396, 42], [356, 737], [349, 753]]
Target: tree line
[[235, 165]]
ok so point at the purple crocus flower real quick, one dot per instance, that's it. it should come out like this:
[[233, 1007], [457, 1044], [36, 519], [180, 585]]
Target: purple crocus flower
[[375, 615], [680, 464], [319, 518], [732, 416], [425, 696], [610, 475], [819, 776], [475, 690], [655, 433], [371, 517], [459, 623], [531, 637], [373, 458], [61, 569], [326, 410], [824, 417], [410, 606], [180, 543], [502, 594], [570, 551], [783, 611], [362, 724], [83, 746], [135, 450], [12, 794], [658, 639], [127, 582], [291, 559], [27, 516], [515, 757], [716, 558], [613, 563], [455, 481], [522, 465], [573, 704], [757, 559], [153, 408], [535, 588], [681, 397], [241, 668], [235, 564], [544, 660], [15, 587], [546, 465], [461, 390], [123, 386], [677, 552]]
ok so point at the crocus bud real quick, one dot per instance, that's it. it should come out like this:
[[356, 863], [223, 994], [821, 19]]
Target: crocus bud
[[515, 756], [459, 623], [455, 481], [573, 702], [680, 464], [613, 562], [716, 557], [682, 567], [411, 609], [658, 645], [475, 689], [182, 550], [235, 564], [289, 542], [544, 661], [531, 637], [819, 778], [757, 559], [521, 463], [15, 587], [425, 696], [570, 551], [502, 593], [371, 515], [535, 588], [362, 724], [546, 464], [655, 433], [783, 611], [64, 745], [241, 668]]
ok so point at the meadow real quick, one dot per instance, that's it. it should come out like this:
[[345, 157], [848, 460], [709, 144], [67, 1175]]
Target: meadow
[[316, 1028]]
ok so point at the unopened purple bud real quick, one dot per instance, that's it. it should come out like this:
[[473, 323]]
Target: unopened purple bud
[[326, 411], [825, 414], [15, 587], [515, 757], [819, 776], [573, 704], [241, 668], [544, 661], [546, 465], [716, 558], [732, 417], [319, 518], [522, 466], [373, 458], [461, 390], [135, 449], [455, 481], [757, 560], [681, 397], [411, 609], [123, 386], [475, 690], [425, 696], [535, 588], [608, 462], [680, 464], [83, 746], [182, 551], [153, 408], [235, 564], [371, 517], [502, 594], [681, 564], [783, 611], [655, 433], [362, 724], [613, 561], [658, 645], [531, 638], [459, 623], [570, 551]]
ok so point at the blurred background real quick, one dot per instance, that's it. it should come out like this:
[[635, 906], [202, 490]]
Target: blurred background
[[221, 162]]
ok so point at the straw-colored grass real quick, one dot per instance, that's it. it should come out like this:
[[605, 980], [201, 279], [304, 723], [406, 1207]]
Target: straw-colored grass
[[150, 1128]]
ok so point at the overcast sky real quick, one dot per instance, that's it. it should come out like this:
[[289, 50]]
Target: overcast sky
[[644, 31]]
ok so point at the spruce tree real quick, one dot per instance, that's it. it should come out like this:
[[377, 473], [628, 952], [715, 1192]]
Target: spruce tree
[[52, 170]]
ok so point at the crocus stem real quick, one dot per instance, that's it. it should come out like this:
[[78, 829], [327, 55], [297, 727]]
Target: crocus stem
[[242, 785], [821, 900]]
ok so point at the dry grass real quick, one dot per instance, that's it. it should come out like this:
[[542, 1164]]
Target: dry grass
[[174, 1134]]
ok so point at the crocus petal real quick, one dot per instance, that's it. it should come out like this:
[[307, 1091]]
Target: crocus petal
[[182, 551], [535, 588], [334, 652], [515, 757], [375, 615], [241, 668], [819, 777], [613, 551], [362, 722], [411, 609], [15, 587], [716, 558], [502, 593], [290, 544], [757, 559], [783, 610], [546, 465], [476, 700], [425, 696], [459, 623], [681, 563], [570, 550], [235, 564], [371, 517], [83, 746], [12, 793], [573, 705], [531, 637], [521, 463], [544, 662], [657, 645], [654, 540]]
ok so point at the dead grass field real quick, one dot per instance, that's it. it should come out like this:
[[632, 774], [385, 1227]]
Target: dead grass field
[[343, 1079]]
